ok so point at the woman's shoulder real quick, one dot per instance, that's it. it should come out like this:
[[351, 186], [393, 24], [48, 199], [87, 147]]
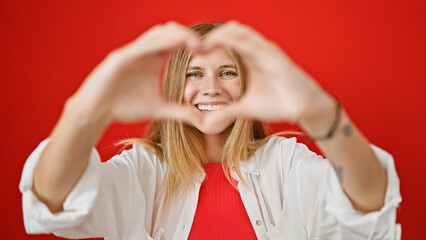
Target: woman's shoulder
[[139, 157], [287, 146], [275, 145], [286, 154], [280, 140]]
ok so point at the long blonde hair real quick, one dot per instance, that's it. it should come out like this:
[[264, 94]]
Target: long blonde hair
[[181, 145]]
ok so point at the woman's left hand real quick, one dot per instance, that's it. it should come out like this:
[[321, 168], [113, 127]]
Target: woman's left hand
[[278, 90]]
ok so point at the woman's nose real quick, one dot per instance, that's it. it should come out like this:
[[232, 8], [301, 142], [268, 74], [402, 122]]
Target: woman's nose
[[211, 86]]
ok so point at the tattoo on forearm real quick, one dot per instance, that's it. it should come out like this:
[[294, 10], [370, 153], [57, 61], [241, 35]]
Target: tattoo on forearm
[[347, 130], [339, 172]]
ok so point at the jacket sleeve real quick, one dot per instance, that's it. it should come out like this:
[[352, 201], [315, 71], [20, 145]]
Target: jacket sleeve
[[379, 224], [106, 202], [329, 213]]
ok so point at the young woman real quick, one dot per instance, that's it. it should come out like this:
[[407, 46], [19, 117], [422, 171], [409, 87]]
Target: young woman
[[207, 170]]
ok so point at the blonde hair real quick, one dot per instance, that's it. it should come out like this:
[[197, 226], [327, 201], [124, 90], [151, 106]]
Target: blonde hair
[[181, 145]]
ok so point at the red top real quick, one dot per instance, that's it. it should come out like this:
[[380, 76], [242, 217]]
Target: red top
[[220, 211]]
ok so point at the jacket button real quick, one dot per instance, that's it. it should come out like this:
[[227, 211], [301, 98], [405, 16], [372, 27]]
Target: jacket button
[[258, 223]]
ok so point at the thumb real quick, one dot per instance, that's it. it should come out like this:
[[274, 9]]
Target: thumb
[[227, 113], [182, 112]]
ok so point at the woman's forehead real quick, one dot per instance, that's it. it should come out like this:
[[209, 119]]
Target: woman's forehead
[[217, 58]]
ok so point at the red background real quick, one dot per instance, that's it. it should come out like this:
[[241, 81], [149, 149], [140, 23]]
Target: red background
[[371, 54]]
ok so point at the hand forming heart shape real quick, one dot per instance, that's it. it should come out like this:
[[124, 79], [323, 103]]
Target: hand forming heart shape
[[124, 87]]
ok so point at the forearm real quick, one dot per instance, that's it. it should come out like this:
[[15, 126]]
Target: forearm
[[66, 156], [362, 176]]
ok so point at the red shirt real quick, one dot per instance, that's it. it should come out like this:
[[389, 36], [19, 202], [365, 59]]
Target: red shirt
[[220, 211]]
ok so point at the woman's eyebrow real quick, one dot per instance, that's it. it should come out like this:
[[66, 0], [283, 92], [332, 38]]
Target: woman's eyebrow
[[228, 66], [195, 68], [220, 66]]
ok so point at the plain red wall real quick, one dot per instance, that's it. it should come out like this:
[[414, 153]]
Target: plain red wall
[[371, 54]]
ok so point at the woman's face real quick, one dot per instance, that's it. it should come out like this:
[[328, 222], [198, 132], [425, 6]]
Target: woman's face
[[212, 81]]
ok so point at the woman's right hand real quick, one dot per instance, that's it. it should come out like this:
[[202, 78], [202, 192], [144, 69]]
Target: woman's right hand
[[125, 86]]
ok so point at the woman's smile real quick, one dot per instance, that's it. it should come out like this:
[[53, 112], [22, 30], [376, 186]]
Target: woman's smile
[[210, 106]]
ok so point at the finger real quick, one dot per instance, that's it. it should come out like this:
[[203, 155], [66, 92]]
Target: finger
[[182, 112], [165, 38], [242, 39], [177, 35], [228, 113]]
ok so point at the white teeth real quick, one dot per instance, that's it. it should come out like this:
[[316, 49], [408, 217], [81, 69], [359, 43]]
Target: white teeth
[[208, 107]]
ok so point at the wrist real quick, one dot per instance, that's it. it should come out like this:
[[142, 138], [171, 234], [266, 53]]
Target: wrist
[[81, 120], [322, 116], [85, 114]]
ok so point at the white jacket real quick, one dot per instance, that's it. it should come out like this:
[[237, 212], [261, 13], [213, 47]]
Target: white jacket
[[295, 195]]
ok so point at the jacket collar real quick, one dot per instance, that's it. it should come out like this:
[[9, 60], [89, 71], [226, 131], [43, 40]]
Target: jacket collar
[[250, 165]]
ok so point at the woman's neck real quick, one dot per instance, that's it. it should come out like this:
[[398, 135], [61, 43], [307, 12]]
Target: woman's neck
[[213, 147]]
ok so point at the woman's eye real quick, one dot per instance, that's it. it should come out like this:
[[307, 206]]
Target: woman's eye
[[193, 74], [229, 74]]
